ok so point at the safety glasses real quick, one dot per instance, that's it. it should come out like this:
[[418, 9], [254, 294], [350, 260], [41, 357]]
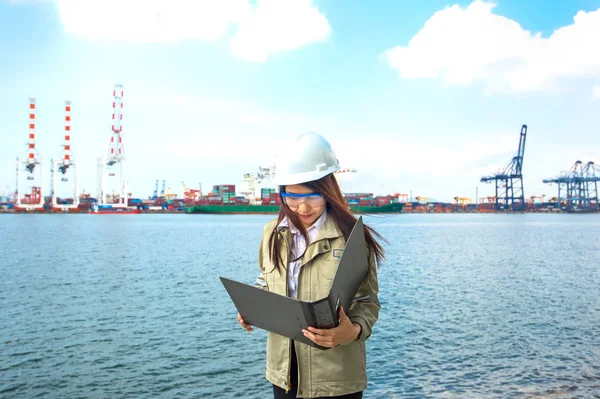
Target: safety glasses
[[310, 199]]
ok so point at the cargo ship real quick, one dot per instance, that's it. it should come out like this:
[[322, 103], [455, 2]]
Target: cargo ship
[[223, 200], [274, 209]]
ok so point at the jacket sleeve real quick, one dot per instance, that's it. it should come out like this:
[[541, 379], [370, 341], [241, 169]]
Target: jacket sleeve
[[365, 305]]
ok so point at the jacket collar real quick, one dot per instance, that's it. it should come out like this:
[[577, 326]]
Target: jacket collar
[[329, 230], [321, 244]]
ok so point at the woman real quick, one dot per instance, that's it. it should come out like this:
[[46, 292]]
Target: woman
[[298, 257]]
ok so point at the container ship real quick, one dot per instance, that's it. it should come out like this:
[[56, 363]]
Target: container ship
[[274, 209], [222, 200]]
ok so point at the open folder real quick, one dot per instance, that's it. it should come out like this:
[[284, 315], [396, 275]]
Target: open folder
[[287, 316]]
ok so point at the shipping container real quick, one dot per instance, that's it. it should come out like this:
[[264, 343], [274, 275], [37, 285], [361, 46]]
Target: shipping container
[[266, 191]]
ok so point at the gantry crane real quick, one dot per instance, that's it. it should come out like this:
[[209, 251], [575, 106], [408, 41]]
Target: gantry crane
[[63, 165], [155, 193], [162, 191], [32, 166], [190, 195], [462, 201], [346, 170], [403, 198], [578, 187], [533, 198], [509, 182], [116, 154]]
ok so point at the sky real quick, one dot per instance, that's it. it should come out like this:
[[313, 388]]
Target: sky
[[420, 97]]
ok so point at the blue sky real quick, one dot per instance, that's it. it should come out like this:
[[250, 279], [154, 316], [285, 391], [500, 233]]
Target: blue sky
[[422, 97]]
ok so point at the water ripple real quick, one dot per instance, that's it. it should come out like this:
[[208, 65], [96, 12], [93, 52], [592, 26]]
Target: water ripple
[[473, 306]]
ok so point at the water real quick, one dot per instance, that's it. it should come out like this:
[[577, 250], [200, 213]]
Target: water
[[474, 306]]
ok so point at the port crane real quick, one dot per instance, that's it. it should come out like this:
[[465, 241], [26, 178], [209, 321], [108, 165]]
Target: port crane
[[107, 167], [155, 192], [533, 199], [462, 201], [63, 165], [346, 170], [578, 187], [403, 198], [32, 167], [191, 195], [509, 182]]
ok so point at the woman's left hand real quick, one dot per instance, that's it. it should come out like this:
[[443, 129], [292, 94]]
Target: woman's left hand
[[344, 333]]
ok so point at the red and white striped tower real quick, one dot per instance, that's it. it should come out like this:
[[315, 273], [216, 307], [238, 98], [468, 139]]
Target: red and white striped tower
[[67, 155], [31, 155], [63, 164], [116, 141], [116, 151], [32, 163]]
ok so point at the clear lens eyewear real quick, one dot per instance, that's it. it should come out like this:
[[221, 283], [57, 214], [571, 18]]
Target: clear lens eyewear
[[294, 200]]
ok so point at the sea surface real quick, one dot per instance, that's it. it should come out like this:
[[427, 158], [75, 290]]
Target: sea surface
[[131, 306]]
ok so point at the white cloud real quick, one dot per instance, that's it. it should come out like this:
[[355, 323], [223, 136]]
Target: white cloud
[[263, 29], [276, 25], [597, 91], [462, 46], [149, 20]]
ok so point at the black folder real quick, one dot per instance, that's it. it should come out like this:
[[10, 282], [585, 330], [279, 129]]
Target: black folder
[[287, 316]]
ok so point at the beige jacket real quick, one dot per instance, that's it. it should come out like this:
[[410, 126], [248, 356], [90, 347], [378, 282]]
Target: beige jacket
[[336, 371]]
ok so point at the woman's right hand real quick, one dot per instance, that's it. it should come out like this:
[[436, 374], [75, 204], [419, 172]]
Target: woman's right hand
[[247, 327]]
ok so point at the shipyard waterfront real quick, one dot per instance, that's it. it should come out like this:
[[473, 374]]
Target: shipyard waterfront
[[473, 306]]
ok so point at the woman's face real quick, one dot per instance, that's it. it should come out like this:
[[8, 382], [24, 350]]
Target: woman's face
[[308, 209]]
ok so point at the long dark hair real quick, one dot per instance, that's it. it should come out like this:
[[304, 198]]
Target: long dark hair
[[336, 207]]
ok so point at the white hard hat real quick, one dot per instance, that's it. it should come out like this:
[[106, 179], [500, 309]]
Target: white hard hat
[[308, 157]]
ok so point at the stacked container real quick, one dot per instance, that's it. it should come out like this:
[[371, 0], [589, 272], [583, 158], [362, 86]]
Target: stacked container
[[359, 199], [266, 192], [269, 196], [226, 192], [274, 199]]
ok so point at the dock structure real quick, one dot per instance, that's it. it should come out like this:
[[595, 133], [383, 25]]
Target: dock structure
[[509, 182], [578, 188]]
